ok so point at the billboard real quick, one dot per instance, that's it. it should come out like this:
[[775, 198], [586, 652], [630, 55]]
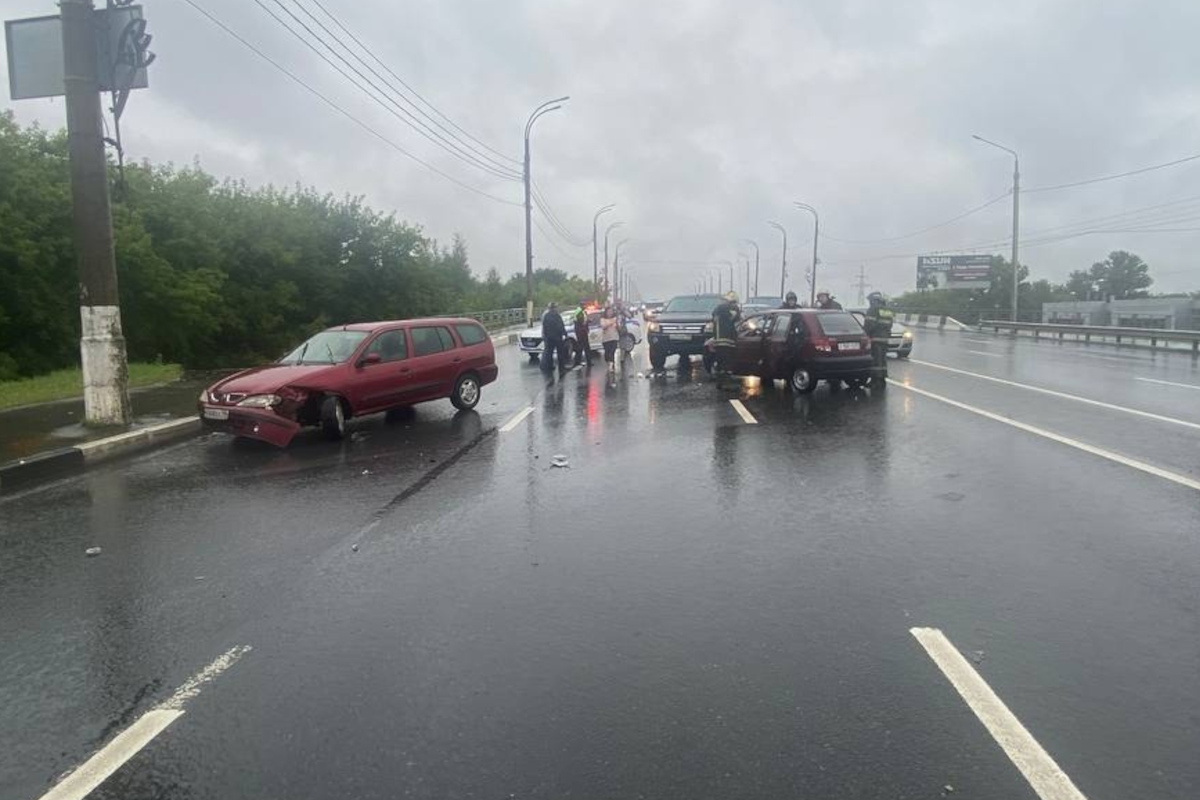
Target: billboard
[[954, 272]]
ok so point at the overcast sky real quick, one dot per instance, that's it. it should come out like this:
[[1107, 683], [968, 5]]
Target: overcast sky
[[703, 119]]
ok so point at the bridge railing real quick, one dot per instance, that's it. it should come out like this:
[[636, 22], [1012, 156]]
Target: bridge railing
[[1159, 338], [494, 319]]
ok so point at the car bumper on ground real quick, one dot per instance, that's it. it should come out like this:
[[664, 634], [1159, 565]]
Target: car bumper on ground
[[250, 423]]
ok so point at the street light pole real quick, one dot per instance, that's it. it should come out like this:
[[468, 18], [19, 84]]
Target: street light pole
[[755, 245], [607, 231], [1016, 216], [618, 293], [812, 288], [595, 265], [544, 108], [783, 268]]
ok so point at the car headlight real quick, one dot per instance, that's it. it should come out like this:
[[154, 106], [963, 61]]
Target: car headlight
[[708, 327], [653, 327], [204, 395], [908, 334], [260, 401]]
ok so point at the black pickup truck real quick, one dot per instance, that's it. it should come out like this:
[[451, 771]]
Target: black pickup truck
[[682, 327]]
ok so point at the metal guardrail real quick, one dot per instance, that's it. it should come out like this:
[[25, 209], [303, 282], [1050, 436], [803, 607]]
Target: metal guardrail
[[494, 319], [1157, 337]]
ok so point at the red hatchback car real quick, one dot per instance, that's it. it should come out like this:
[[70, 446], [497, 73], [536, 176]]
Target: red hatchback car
[[350, 371], [803, 347]]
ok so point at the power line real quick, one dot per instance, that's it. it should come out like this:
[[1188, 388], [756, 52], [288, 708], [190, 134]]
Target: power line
[[419, 96], [343, 111], [926, 229], [572, 259], [1104, 178], [557, 224], [407, 118]]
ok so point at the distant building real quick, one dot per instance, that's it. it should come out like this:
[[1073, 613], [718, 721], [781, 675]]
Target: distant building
[[1170, 313]]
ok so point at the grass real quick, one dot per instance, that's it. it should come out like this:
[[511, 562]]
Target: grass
[[64, 384]]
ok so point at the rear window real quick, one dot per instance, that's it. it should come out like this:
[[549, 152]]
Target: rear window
[[427, 341], [470, 334], [839, 324], [692, 305]]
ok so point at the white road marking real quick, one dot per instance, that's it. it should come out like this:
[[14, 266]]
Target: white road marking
[[1149, 469], [982, 353], [979, 341], [129, 742], [1062, 395], [1171, 383], [1100, 357], [515, 421], [1043, 774], [743, 412]]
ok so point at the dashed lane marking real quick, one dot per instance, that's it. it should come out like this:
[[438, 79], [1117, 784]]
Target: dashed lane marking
[[743, 412], [129, 742], [1171, 383], [982, 353], [979, 341], [1043, 774], [515, 421], [1142, 466], [1062, 395]]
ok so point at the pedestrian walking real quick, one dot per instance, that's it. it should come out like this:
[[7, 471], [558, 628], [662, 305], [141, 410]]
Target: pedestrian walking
[[583, 348], [610, 335], [554, 331]]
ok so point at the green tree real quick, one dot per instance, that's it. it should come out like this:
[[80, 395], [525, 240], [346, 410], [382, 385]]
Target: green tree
[[1122, 275]]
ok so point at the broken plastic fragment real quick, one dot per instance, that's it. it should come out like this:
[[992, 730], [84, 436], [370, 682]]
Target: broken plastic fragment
[[92, 551]]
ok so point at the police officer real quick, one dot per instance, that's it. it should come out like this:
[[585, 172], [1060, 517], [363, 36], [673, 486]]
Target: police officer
[[878, 324], [725, 320], [790, 301], [554, 332]]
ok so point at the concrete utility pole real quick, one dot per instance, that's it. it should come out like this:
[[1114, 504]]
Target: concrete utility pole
[[544, 108], [102, 344], [812, 280], [618, 294], [783, 268], [755, 245], [595, 264], [607, 231], [1016, 217]]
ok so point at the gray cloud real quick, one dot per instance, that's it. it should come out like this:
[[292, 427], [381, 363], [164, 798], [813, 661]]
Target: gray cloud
[[704, 119]]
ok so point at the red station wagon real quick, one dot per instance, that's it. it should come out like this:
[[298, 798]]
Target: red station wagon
[[803, 347], [352, 370]]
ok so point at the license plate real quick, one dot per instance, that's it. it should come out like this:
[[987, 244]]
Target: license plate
[[849, 346], [681, 337], [216, 413]]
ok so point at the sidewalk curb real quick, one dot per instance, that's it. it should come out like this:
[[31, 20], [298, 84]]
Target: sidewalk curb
[[61, 463]]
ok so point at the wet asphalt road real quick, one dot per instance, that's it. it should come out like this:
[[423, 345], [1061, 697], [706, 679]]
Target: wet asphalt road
[[697, 607]]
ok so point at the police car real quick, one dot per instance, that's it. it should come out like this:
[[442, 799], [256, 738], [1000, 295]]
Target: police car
[[530, 339]]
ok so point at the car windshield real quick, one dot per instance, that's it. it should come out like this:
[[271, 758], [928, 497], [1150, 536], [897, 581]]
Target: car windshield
[[838, 324], [699, 304], [327, 347]]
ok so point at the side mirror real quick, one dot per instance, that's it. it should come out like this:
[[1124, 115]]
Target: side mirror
[[370, 358]]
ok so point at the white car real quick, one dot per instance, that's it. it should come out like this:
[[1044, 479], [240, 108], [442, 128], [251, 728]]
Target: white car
[[530, 339]]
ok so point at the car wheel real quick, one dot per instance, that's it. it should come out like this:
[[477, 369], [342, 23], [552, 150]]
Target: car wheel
[[534, 358], [466, 392], [803, 380], [333, 418], [658, 359], [903, 353]]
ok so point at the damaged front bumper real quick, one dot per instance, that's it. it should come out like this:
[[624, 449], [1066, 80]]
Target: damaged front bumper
[[251, 423]]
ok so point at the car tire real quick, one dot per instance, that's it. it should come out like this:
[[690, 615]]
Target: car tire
[[534, 358], [466, 392], [333, 418], [903, 353], [802, 380], [658, 358]]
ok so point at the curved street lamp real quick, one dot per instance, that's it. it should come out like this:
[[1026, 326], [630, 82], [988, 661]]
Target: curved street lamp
[[783, 270], [544, 108], [617, 269], [607, 231], [1016, 193], [812, 285], [595, 266], [755, 245]]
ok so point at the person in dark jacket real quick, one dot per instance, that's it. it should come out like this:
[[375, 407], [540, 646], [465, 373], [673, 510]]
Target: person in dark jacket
[[790, 301], [554, 331], [583, 349], [825, 300], [877, 323], [725, 320]]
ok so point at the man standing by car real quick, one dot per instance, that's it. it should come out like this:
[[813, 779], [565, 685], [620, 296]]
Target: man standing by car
[[553, 333], [825, 301], [790, 301], [725, 319], [878, 324]]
